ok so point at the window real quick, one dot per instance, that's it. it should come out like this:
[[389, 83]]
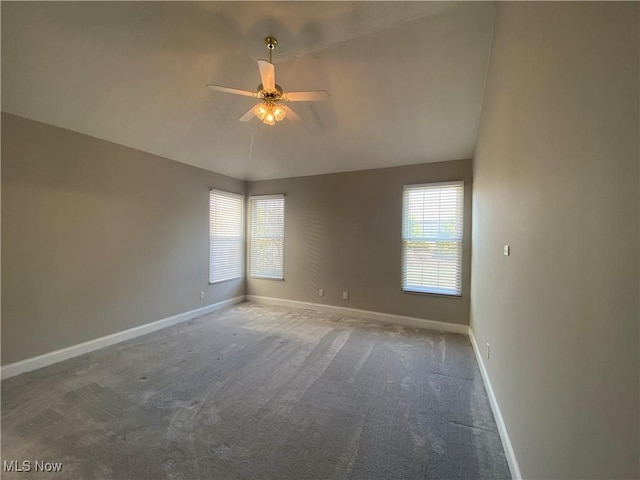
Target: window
[[266, 237], [225, 236], [432, 238]]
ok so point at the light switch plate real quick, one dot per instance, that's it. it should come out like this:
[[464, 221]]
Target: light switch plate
[[507, 250]]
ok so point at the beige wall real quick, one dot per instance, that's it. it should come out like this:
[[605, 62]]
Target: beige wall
[[556, 177], [97, 238], [343, 233]]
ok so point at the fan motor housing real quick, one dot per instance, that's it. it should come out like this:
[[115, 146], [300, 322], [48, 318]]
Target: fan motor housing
[[270, 95]]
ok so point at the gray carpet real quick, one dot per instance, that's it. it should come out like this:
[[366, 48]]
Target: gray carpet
[[259, 392]]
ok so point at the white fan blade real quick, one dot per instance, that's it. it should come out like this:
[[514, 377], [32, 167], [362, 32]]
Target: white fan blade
[[291, 115], [312, 96], [247, 116], [235, 91], [267, 74]]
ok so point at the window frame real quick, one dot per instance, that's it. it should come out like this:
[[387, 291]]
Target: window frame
[[249, 234], [241, 240], [403, 288]]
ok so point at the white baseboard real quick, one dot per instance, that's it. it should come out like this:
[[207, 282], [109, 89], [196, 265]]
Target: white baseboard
[[33, 363], [365, 314], [502, 428]]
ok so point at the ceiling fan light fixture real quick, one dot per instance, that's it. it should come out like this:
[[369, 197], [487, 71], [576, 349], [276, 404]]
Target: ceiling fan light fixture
[[269, 113], [261, 111], [269, 118], [279, 113]]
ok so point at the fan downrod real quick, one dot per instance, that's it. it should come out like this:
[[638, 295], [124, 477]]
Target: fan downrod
[[271, 45]]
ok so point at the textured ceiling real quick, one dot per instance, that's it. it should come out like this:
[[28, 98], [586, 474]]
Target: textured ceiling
[[405, 79]]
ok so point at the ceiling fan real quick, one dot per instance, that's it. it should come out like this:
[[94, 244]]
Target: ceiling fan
[[272, 107]]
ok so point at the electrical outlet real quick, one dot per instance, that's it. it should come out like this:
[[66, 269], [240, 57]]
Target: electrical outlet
[[345, 295], [488, 351], [201, 295], [506, 250], [321, 292]]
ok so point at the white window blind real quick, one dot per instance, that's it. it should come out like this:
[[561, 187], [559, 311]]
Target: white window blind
[[225, 236], [266, 236], [432, 224]]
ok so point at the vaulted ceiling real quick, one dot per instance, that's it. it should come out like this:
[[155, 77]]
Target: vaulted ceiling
[[405, 79]]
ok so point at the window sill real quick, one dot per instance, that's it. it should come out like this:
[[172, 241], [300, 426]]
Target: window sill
[[225, 280], [258, 277], [432, 294]]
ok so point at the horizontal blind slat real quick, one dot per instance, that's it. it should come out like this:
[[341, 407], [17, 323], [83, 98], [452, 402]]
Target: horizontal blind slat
[[266, 236], [226, 243], [432, 233]]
